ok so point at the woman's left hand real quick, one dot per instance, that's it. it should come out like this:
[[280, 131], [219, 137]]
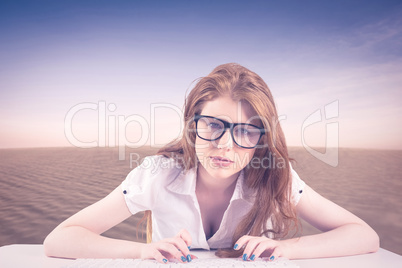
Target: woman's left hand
[[255, 246]]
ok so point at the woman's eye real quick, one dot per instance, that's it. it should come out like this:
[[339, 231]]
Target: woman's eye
[[214, 125], [244, 131], [247, 132]]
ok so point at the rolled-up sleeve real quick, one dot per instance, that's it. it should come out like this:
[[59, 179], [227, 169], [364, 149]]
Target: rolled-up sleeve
[[297, 186], [140, 188]]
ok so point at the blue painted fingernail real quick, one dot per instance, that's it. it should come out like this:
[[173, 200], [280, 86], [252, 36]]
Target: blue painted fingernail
[[189, 247], [183, 259], [252, 257], [165, 260], [189, 258], [235, 246], [272, 258], [244, 257]]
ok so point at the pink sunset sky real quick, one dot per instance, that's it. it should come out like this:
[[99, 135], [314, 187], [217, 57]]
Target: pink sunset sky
[[76, 73]]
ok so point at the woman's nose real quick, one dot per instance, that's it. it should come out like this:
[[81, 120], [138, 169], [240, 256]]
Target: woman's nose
[[225, 141]]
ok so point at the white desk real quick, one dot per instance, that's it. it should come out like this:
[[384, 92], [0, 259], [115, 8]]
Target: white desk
[[15, 256]]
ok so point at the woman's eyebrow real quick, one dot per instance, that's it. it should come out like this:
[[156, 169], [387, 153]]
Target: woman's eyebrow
[[247, 122]]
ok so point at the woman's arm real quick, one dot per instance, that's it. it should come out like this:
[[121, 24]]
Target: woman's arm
[[343, 234], [79, 236]]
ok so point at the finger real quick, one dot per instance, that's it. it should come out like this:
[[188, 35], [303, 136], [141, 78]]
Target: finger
[[275, 254], [252, 244], [264, 246], [160, 258], [181, 245], [185, 235], [171, 249], [241, 242]]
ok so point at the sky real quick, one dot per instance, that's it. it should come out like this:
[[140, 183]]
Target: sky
[[108, 73]]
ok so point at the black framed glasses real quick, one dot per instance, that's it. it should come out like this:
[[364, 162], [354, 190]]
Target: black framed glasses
[[245, 135]]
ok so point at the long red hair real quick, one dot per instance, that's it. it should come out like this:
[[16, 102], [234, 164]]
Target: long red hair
[[271, 183]]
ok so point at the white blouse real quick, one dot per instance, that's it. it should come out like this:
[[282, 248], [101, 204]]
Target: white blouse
[[159, 184]]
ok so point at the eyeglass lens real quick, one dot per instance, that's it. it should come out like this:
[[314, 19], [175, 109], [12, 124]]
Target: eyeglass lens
[[212, 129]]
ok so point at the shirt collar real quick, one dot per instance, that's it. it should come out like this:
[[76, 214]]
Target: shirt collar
[[184, 182]]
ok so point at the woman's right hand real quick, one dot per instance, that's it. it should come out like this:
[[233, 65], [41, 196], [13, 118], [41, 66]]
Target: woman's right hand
[[177, 247]]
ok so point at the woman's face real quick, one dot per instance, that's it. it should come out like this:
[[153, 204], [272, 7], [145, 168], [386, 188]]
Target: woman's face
[[223, 158]]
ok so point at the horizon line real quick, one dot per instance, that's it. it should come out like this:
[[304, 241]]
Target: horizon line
[[159, 147]]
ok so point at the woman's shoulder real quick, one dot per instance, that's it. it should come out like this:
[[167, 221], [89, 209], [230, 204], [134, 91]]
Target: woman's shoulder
[[144, 183]]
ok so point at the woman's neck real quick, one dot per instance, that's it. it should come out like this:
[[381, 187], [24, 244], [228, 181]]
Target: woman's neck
[[209, 185]]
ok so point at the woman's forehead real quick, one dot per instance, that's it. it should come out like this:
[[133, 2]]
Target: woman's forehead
[[227, 109]]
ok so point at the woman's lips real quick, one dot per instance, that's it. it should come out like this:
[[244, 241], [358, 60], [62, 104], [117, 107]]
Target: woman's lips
[[221, 161]]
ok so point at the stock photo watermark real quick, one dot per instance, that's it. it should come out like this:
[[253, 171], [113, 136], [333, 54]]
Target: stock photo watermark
[[112, 129], [331, 154], [154, 164]]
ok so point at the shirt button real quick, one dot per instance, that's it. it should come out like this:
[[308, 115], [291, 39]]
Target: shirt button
[[124, 192]]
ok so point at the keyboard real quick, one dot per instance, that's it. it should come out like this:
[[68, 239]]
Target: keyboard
[[210, 262]]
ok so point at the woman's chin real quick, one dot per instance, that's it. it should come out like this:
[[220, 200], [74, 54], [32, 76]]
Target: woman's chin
[[222, 172]]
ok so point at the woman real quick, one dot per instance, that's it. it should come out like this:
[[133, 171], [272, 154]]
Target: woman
[[226, 184]]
